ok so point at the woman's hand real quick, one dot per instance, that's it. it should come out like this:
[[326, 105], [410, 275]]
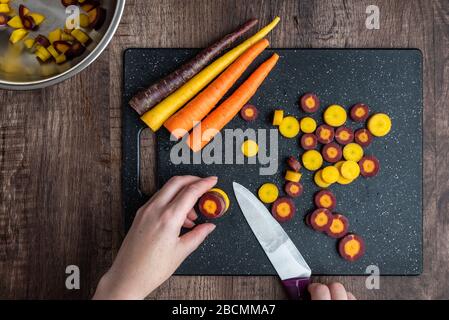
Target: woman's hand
[[153, 249], [334, 291]]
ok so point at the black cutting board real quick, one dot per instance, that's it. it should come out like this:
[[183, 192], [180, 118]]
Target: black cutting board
[[385, 210]]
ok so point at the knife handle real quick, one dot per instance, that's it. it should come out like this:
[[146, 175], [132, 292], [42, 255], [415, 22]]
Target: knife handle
[[297, 288]]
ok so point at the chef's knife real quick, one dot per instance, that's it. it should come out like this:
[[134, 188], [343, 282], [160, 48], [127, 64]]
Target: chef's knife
[[282, 253]]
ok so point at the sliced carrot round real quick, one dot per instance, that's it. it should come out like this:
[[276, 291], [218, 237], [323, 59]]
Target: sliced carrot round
[[223, 194], [331, 152], [278, 117], [330, 174], [319, 180], [268, 193], [359, 112], [308, 125], [249, 112], [335, 115], [369, 166], [379, 124], [309, 102], [351, 247], [312, 160], [338, 227], [289, 127], [344, 135], [250, 148], [320, 219], [283, 209], [325, 199], [293, 189], [353, 151], [363, 137], [325, 134], [292, 176], [350, 170], [341, 180], [212, 204], [308, 141]]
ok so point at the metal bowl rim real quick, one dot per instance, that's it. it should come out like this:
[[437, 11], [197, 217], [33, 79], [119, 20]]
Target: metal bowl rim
[[91, 57]]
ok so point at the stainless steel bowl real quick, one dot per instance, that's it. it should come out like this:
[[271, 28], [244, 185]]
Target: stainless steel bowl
[[20, 70]]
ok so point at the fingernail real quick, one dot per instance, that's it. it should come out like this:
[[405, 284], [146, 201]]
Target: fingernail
[[213, 178]]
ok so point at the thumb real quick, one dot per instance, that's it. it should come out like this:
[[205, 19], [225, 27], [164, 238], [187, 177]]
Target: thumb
[[192, 239]]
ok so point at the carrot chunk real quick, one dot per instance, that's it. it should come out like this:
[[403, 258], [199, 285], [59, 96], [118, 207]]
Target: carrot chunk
[[278, 117], [292, 176], [293, 164]]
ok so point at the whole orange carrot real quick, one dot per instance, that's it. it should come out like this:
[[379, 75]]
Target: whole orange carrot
[[224, 113], [184, 120]]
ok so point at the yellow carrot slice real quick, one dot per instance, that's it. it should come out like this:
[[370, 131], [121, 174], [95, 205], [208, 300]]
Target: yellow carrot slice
[[167, 107]]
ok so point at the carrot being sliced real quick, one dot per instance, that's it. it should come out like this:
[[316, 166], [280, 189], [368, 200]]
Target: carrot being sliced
[[184, 120], [224, 113], [156, 117]]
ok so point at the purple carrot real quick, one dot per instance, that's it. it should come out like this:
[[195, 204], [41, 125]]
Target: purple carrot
[[146, 99]]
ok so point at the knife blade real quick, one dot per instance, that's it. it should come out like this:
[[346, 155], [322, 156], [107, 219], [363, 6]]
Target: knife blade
[[279, 248]]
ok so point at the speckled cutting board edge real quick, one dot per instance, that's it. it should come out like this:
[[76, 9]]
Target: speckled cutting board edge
[[389, 80]]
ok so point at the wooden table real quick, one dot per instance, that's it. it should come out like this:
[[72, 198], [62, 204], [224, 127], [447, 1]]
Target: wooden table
[[60, 147]]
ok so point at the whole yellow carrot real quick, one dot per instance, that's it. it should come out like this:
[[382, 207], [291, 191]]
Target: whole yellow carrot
[[167, 107]]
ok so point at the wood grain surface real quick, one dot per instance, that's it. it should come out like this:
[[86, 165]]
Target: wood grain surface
[[60, 148]]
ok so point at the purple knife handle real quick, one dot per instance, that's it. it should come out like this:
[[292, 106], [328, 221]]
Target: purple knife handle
[[297, 288]]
